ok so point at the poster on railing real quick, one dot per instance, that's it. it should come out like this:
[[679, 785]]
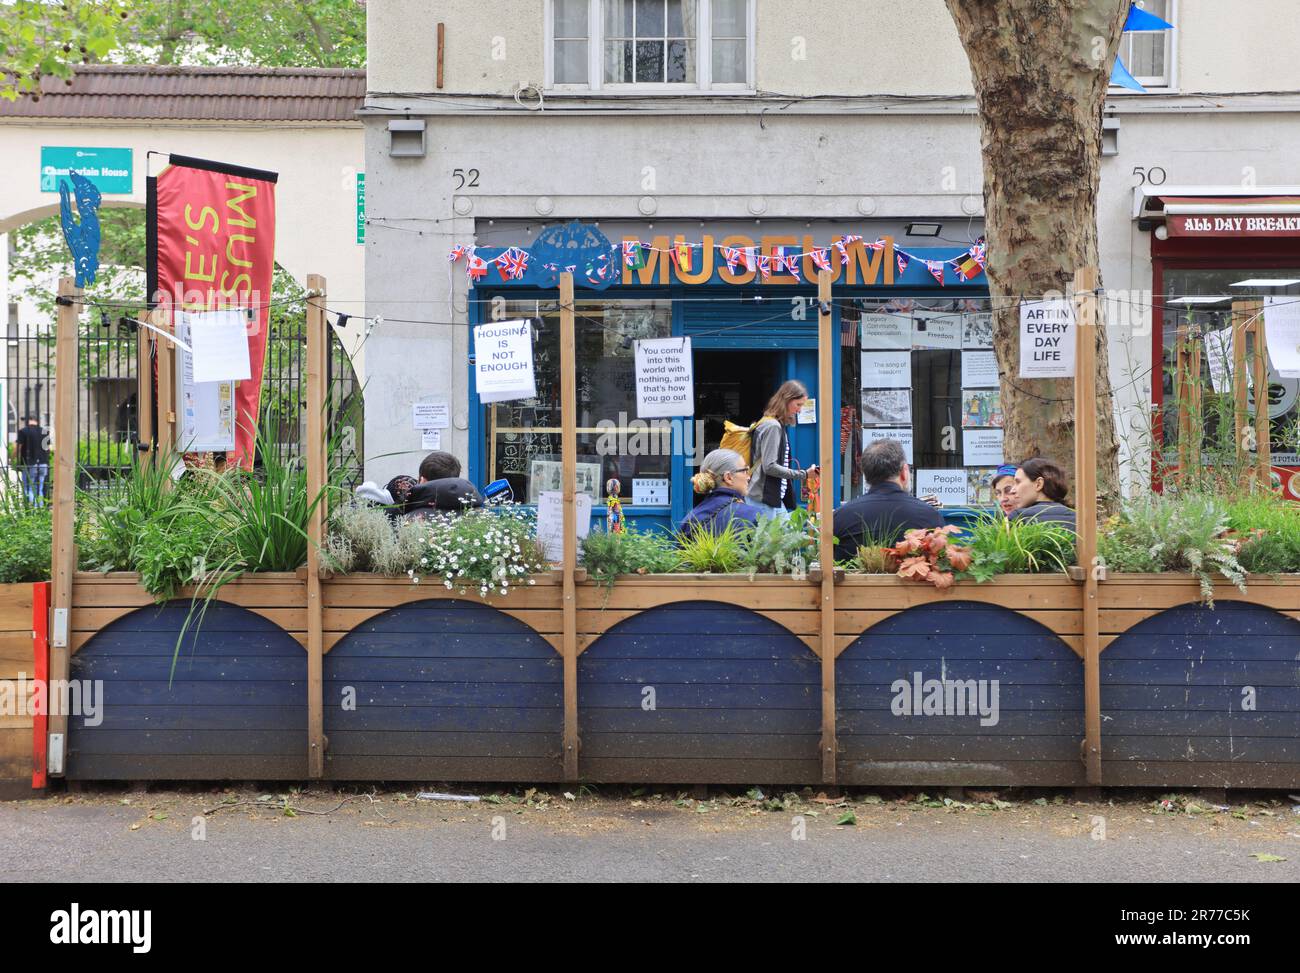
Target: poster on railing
[[503, 361], [550, 521], [1282, 333], [1047, 339], [205, 411]]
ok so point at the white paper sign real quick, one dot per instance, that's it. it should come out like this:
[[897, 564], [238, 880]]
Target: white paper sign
[[431, 415], [979, 370], [886, 331], [948, 485], [665, 380], [981, 447], [903, 436], [886, 369], [942, 331], [977, 331], [1218, 352], [1282, 333], [431, 439], [219, 343], [1046, 339], [808, 413], [205, 412], [650, 492], [503, 361], [550, 521]]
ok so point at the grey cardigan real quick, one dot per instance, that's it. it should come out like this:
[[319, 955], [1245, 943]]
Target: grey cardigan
[[766, 449]]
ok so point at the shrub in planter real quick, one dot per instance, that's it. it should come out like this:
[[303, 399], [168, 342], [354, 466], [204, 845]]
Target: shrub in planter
[[1267, 534], [1002, 546], [490, 548], [779, 545], [24, 540], [930, 556], [606, 555], [362, 537], [1184, 532]]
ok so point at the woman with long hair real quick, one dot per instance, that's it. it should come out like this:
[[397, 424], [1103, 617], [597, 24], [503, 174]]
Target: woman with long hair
[[1040, 493], [723, 479], [774, 483]]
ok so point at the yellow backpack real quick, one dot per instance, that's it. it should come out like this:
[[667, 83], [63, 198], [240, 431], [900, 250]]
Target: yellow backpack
[[740, 438]]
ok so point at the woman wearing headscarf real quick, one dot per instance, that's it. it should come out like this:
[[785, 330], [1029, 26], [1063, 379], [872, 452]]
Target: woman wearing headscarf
[[723, 479]]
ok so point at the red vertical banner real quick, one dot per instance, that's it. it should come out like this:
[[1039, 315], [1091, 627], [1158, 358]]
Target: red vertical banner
[[211, 245]]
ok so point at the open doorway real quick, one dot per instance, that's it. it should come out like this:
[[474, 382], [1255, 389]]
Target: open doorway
[[735, 385]]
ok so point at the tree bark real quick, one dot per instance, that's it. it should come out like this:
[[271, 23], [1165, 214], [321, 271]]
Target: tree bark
[[1041, 69]]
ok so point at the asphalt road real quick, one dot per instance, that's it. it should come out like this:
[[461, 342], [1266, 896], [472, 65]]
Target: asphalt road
[[113, 836]]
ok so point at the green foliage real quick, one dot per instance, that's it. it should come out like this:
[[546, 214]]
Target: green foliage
[[104, 450], [40, 39], [490, 548], [1267, 530], [1002, 546], [24, 539], [873, 555], [704, 552], [606, 555], [362, 537], [114, 514], [777, 545], [1168, 532]]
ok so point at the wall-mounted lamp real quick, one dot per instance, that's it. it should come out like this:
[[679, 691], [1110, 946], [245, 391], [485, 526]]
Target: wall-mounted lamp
[[923, 229]]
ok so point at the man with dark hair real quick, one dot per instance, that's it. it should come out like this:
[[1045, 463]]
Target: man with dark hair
[[888, 510], [34, 458], [439, 465]]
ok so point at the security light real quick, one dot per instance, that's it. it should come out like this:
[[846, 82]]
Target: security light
[[923, 229]]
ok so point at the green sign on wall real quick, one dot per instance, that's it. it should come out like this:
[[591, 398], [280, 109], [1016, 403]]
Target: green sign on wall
[[361, 207], [109, 170]]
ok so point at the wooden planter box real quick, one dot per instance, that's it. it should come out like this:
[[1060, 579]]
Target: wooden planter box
[[16, 662], [695, 679]]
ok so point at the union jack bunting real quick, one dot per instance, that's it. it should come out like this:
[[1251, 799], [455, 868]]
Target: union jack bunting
[[904, 258], [765, 266], [512, 263], [787, 260], [749, 253], [878, 245], [732, 256], [822, 259], [936, 269], [844, 252], [633, 254], [455, 253]]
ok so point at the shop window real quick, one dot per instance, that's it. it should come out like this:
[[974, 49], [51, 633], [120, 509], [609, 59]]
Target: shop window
[[1149, 54], [925, 374], [523, 437], [649, 45]]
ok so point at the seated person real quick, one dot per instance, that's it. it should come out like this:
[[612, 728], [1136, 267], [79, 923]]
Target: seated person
[[440, 488], [887, 511], [1004, 488], [723, 479], [1040, 493]]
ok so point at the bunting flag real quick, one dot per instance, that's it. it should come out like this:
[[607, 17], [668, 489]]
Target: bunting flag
[[967, 266], [788, 261], [765, 266], [844, 252], [822, 259], [903, 259], [633, 254], [936, 269], [681, 255], [456, 253], [475, 266], [732, 256], [878, 245], [750, 253]]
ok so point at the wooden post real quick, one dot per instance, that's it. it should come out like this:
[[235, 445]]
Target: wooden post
[[569, 456], [1240, 315], [1085, 474], [1263, 449], [166, 388], [63, 551], [1196, 428], [442, 40], [144, 393], [827, 417], [317, 478]]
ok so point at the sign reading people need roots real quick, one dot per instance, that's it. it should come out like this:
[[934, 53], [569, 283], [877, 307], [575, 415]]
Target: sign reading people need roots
[[503, 361], [665, 381], [949, 486], [1047, 339]]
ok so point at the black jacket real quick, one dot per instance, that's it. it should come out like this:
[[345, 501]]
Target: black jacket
[[452, 494], [31, 446], [886, 513]]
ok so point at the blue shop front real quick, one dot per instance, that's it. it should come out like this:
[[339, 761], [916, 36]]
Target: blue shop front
[[913, 360]]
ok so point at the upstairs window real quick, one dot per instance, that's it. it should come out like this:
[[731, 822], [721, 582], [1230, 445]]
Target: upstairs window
[[618, 46], [1149, 54]]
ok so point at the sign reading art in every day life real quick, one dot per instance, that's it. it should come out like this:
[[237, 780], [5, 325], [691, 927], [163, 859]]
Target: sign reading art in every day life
[[949, 486], [981, 447], [205, 410], [503, 361], [1282, 333], [903, 436], [1047, 339], [109, 170], [665, 380], [550, 521], [886, 370]]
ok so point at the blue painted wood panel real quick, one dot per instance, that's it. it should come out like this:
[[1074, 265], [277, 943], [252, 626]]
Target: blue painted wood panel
[[444, 690], [1199, 696], [236, 707], [1034, 724], [736, 699]]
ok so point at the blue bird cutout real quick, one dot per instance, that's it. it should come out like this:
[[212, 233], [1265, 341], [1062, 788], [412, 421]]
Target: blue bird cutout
[[82, 237]]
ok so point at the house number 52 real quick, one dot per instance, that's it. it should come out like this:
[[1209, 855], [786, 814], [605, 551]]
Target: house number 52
[[465, 178]]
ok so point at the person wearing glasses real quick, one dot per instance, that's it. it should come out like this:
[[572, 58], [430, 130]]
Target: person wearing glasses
[[723, 479]]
